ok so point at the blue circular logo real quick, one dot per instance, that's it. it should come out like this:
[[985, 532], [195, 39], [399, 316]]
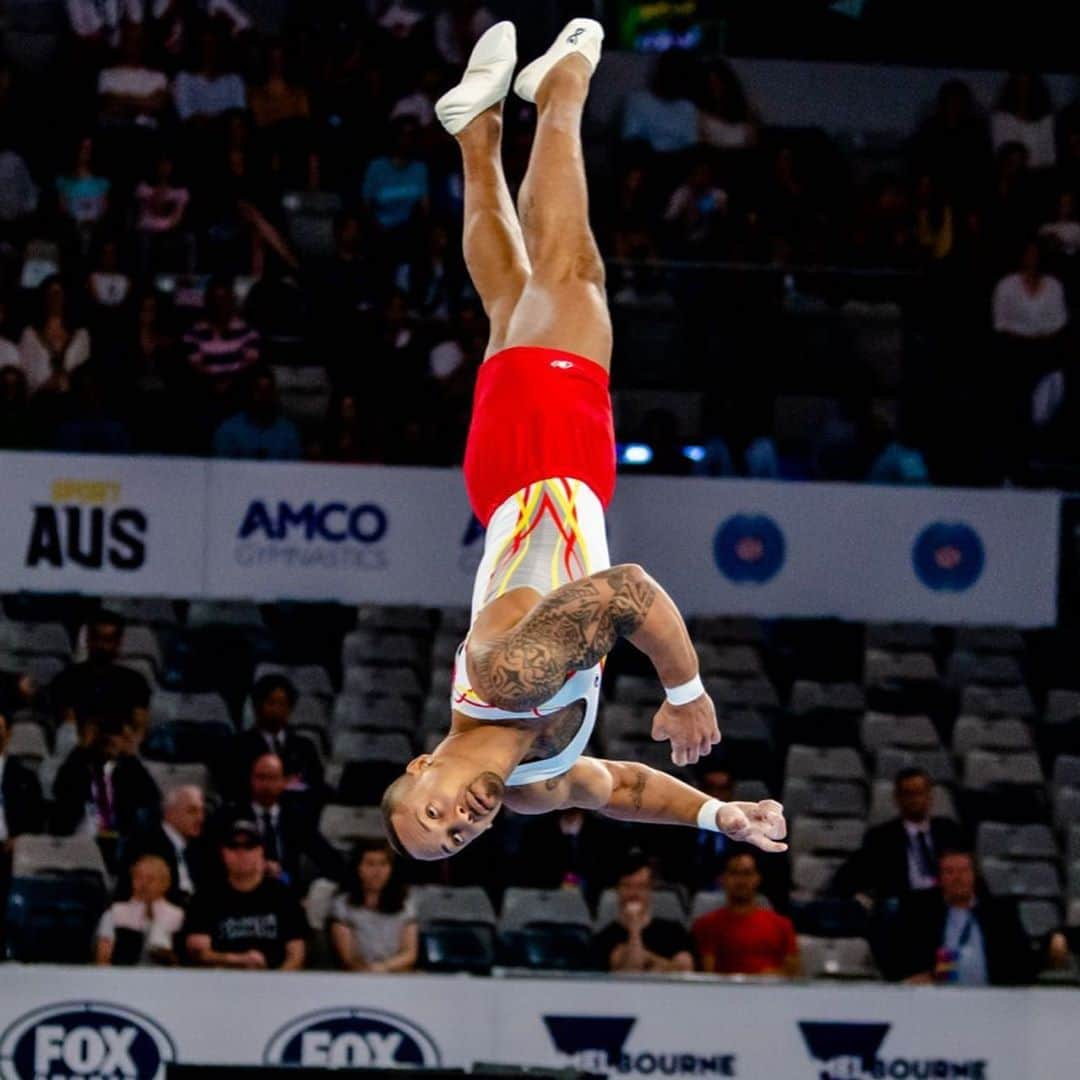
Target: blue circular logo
[[948, 556], [749, 549], [91, 1039], [356, 1038]]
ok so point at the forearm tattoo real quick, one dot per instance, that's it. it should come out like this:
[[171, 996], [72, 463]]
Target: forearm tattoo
[[569, 630], [637, 791]]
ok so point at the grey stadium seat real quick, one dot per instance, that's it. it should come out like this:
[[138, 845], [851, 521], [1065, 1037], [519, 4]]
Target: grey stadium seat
[[166, 705], [837, 958], [39, 639], [810, 697], [826, 836], [343, 826], [1074, 878], [310, 680], [35, 855], [1066, 806], [1038, 880], [522, 907], [365, 746], [914, 732], [168, 776], [889, 760], [993, 701], [900, 637], [978, 733], [967, 669], [1067, 771], [405, 618], [152, 610], [1039, 918], [989, 639], [995, 839], [882, 668], [751, 790], [665, 905], [729, 660], [444, 650], [811, 874], [755, 692], [438, 903], [1072, 842], [27, 741], [982, 769], [835, 763], [621, 721], [1062, 706], [384, 649], [401, 681], [142, 642], [379, 713], [240, 614], [454, 621], [638, 690], [824, 798]]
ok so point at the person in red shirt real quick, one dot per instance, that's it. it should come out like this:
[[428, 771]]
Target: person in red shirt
[[743, 938]]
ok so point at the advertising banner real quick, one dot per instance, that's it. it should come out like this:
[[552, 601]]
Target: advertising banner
[[102, 525], [124, 1023]]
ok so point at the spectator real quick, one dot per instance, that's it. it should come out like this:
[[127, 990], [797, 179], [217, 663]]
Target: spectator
[[433, 282], [420, 104], [743, 937], [348, 436], [725, 119], [259, 432], [21, 806], [695, 213], [141, 930], [900, 856], [273, 698], [663, 117], [97, 21], [373, 925], [250, 920], [102, 788], [131, 94], [209, 92], [17, 428], [1063, 233], [99, 681], [222, 345], [935, 220], [396, 186], [952, 935], [108, 286], [83, 194], [458, 27], [18, 192], [1025, 115], [1030, 304], [90, 429], [51, 346], [278, 101], [288, 826], [178, 841], [634, 216], [162, 205], [637, 941], [953, 145]]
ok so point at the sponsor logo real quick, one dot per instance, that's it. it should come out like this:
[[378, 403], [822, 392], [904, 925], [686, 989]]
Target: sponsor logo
[[562, 364], [575, 37], [749, 549], [331, 535], [85, 1039], [852, 1051], [599, 1044], [86, 524], [357, 1038], [948, 556]]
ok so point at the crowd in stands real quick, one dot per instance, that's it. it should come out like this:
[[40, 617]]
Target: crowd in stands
[[217, 240], [199, 784]]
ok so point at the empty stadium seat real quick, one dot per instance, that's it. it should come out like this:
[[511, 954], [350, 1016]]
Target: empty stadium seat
[[1067, 806], [1062, 706], [454, 621], [28, 743], [881, 668], [823, 763], [396, 681], [638, 690], [310, 680], [826, 836], [36, 856], [406, 618], [751, 790], [913, 732], [824, 798], [1067, 771], [938, 764], [378, 712], [168, 775], [38, 639], [992, 701], [836, 958], [142, 643], [977, 733], [52, 919], [239, 614], [343, 826], [989, 639], [438, 903], [151, 610], [444, 650], [983, 769], [620, 721], [378, 649], [809, 697], [719, 660], [755, 692], [371, 746], [811, 874], [968, 668], [1039, 918], [522, 907], [995, 839], [900, 637], [1037, 880], [210, 708]]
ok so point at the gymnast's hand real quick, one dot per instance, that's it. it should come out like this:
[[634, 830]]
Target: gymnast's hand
[[759, 823], [691, 728]]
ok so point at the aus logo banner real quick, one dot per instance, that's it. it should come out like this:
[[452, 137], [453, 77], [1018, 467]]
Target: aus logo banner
[[85, 1039], [948, 556]]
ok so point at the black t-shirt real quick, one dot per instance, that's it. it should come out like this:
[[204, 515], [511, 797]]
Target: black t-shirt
[[90, 684], [264, 919], [661, 936]]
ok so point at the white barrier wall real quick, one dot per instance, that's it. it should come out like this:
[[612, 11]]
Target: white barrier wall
[[124, 1023], [107, 525]]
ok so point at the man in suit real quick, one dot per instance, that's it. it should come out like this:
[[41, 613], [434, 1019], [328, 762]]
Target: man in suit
[[900, 856], [178, 840], [102, 787], [274, 698], [951, 934], [288, 825]]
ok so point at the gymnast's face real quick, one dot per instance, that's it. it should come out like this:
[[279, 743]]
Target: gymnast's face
[[442, 804]]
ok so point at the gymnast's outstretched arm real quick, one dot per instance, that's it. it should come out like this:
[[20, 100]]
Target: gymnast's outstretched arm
[[573, 627], [630, 791]]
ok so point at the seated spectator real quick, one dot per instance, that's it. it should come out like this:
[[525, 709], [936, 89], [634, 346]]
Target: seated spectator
[[434, 281], [1009, 216], [18, 192], [273, 698], [18, 431], [725, 119], [1063, 233], [178, 841], [21, 806], [288, 826], [250, 920], [953, 146], [663, 117], [83, 194], [102, 788], [1030, 304], [637, 941], [420, 104], [634, 217], [221, 345], [209, 92], [695, 213], [901, 855], [162, 205], [935, 220], [1024, 115], [953, 935], [141, 930], [899, 461], [52, 345], [90, 428], [99, 681], [373, 925], [743, 937], [396, 186], [348, 436], [259, 432], [278, 100], [458, 27], [96, 22], [130, 93], [109, 288]]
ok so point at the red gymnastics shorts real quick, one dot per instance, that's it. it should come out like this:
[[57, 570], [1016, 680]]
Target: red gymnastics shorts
[[538, 413]]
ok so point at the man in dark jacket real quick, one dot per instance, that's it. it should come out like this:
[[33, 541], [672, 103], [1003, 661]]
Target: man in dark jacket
[[178, 839], [952, 934], [21, 807], [901, 856]]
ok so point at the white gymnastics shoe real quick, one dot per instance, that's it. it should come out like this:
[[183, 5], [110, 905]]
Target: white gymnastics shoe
[[583, 36], [486, 80]]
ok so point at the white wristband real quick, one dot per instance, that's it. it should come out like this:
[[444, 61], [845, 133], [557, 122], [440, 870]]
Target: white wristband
[[706, 818], [689, 691]]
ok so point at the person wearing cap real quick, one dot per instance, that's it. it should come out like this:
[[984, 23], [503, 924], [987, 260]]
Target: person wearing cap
[[249, 920]]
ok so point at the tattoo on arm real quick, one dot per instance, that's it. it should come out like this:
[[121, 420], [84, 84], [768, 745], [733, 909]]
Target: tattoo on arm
[[569, 630], [637, 792]]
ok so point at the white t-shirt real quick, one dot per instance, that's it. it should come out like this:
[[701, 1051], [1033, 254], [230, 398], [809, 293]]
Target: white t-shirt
[[137, 82], [157, 929], [1038, 137], [1066, 233], [723, 134], [418, 106], [199, 95], [34, 357], [1030, 315], [9, 353], [376, 935]]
